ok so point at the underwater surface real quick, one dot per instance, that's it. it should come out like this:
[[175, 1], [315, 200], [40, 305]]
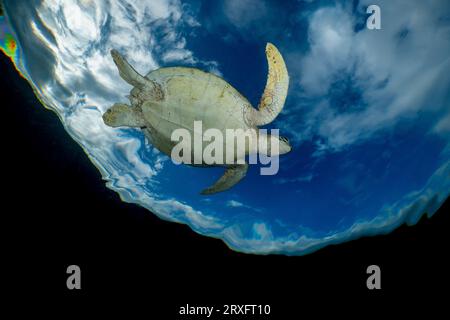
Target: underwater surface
[[367, 113]]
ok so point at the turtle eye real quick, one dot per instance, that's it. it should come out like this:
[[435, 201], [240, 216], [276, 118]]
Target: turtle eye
[[284, 139]]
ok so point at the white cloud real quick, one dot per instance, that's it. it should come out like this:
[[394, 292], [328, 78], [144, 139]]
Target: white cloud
[[234, 204], [237, 204], [397, 71], [178, 211], [243, 13], [330, 37]]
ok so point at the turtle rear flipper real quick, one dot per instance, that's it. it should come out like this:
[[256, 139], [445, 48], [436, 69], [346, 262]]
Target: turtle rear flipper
[[232, 175]]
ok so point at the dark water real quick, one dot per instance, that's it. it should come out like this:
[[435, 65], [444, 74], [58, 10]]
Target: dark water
[[57, 211]]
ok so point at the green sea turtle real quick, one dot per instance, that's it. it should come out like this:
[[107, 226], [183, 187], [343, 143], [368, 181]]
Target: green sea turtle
[[171, 98]]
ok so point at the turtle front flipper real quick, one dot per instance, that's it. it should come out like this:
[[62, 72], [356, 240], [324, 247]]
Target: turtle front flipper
[[130, 75], [274, 96], [232, 175]]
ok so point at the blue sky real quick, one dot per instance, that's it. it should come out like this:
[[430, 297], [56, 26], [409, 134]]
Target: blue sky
[[368, 111]]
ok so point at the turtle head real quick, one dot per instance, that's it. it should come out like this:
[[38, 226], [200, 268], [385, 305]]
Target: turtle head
[[284, 145], [273, 144], [135, 97], [121, 115]]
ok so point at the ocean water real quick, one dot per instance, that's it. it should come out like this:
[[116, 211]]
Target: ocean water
[[371, 156]]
